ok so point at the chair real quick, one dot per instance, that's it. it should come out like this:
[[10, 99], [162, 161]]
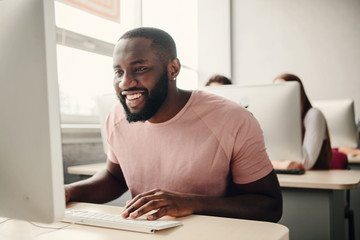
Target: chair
[[339, 160]]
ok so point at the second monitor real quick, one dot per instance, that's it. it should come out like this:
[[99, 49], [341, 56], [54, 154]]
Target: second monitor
[[340, 117], [277, 109]]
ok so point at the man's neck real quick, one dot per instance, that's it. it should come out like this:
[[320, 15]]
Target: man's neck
[[175, 101]]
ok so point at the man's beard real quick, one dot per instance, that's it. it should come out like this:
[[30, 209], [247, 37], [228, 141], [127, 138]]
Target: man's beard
[[154, 100]]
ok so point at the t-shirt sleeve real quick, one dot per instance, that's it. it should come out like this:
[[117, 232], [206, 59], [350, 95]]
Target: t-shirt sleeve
[[250, 161], [111, 156], [109, 128]]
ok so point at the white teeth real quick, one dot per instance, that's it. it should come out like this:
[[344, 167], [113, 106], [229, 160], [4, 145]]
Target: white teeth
[[133, 96]]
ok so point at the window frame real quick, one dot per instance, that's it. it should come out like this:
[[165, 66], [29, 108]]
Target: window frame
[[77, 128]]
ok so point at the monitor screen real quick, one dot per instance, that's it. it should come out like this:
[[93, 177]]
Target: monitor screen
[[277, 109], [340, 117], [31, 173]]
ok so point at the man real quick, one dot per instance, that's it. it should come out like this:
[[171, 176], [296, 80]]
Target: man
[[178, 152]]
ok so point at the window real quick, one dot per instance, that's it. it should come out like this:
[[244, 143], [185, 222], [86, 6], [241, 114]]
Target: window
[[82, 76], [85, 45]]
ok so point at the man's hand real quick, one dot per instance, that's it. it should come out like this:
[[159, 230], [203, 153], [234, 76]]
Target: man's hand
[[162, 202]]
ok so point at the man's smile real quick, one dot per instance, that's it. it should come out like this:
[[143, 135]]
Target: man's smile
[[133, 96], [134, 99]]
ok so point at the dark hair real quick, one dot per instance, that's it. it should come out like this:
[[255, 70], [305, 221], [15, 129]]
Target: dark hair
[[162, 43], [305, 103], [219, 79]]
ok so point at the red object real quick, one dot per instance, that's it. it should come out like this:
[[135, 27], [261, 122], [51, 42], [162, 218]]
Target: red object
[[339, 160]]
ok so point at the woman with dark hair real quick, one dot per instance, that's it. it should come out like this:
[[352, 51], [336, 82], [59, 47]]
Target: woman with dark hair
[[317, 152]]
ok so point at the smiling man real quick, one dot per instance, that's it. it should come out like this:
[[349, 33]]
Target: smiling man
[[178, 152]]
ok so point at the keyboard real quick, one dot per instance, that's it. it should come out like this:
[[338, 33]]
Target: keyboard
[[290, 171], [116, 221]]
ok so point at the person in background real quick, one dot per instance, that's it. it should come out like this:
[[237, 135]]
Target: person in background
[[178, 152], [317, 153], [349, 150], [217, 80]]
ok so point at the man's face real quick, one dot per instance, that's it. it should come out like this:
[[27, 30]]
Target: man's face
[[141, 79], [153, 100]]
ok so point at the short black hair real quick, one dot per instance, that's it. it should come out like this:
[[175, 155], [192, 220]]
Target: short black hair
[[162, 43]]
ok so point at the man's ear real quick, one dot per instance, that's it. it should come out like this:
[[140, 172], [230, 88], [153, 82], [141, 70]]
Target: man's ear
[[174, 69]]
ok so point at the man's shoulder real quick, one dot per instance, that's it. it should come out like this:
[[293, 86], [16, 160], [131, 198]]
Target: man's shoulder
[[115, 116], [205, 102], [214, 110]]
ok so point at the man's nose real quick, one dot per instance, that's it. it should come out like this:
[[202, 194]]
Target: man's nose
[[127, 81]]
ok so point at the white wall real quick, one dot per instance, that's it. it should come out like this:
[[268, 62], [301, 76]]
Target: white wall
[[317, 40], [214, 39], [201, 30]]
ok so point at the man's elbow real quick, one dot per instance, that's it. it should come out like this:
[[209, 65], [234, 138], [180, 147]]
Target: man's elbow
[[277, 213], [274, 211]]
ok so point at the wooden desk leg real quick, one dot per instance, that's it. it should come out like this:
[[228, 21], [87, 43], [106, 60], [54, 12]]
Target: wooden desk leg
[[314, 213]]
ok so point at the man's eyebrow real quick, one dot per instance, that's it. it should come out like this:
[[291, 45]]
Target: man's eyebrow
[[139, 61]]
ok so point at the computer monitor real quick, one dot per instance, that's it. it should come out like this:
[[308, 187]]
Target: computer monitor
[[340, 117], [277, 109], [31, 173]]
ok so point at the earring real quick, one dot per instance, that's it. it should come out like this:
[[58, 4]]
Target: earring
[[174, 78]]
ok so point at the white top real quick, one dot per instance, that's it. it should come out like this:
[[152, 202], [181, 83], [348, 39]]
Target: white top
[[315, 134]]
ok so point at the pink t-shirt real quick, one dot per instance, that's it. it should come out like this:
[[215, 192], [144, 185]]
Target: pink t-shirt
[[210, 141]]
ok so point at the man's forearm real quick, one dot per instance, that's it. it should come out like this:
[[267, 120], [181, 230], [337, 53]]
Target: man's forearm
[[247, 206]]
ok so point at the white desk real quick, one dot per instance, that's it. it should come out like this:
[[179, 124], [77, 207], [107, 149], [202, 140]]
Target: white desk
[[194, 227], [313, 202], [87, 169], [322, 179], [353, 159]]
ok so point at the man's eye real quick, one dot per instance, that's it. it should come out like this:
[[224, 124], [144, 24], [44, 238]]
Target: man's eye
[[118, 72], [140, 69]]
